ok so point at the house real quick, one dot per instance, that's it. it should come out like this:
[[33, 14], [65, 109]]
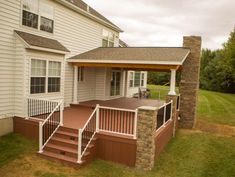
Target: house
[[66, 83]]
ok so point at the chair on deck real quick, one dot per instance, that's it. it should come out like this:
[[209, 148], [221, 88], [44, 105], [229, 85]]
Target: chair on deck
[[143, 93]]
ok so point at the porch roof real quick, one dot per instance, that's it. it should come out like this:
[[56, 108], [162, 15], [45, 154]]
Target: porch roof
[[41, 43], [133, 57]]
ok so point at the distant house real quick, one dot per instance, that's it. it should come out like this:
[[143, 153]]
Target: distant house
[[67, 80]]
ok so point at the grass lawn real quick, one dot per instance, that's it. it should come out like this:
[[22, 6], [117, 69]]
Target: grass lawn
[[192, 153], [213, 107]]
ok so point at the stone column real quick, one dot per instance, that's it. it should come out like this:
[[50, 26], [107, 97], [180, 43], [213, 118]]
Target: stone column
[[174, 110], [146, 127], [189, 84]]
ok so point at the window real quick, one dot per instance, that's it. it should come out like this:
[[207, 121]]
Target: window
[[131, 84], [80, 74], [31, 13], [38, 76], [30, 19], [142, 80], [54, 76], [136, 79], [46, 25], [47, 14], [108, 39], [45, 76]]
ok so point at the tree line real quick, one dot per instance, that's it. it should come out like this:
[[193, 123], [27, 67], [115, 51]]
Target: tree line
[[217, 71]]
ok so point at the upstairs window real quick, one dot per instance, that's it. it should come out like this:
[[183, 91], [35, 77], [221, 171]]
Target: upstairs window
[[38, 16], [29, 14], [46, 20], [107, 39]]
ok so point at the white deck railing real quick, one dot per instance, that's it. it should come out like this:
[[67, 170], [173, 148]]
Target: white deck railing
[[50, 114], [107, 119], [164, 115]]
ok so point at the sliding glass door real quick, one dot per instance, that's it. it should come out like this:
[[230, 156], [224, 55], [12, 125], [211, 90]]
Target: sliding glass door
[[115, 83]]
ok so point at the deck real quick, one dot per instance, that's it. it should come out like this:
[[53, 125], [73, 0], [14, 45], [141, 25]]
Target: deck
[[77, 115]]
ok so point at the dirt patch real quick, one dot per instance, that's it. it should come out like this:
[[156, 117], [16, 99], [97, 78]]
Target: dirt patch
[[224, 130]]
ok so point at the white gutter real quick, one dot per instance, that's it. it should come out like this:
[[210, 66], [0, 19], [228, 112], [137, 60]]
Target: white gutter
[[89, 15]]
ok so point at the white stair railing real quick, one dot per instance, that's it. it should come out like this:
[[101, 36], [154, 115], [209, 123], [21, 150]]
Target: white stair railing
[[49, 126]]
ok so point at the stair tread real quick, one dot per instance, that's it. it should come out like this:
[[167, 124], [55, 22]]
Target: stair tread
[[59, 156], [64, 140], [62, 148], [67, 133]]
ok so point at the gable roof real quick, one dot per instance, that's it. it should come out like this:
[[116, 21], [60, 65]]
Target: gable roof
[[89, 11], [138, 55], [39, 41], [122, 43]]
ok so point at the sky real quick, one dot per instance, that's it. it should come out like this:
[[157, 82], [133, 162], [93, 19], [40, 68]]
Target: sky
[[165, 22]]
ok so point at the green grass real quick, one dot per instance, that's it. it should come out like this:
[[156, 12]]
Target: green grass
[[213, 107], [216, 107], [190, 154], [12, 147]]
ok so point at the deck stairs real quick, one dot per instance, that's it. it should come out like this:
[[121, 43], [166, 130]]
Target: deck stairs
[[63, 147]]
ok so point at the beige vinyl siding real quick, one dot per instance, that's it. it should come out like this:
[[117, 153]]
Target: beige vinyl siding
[[9, 20], [76, 32], [19, 82], [100, 83]]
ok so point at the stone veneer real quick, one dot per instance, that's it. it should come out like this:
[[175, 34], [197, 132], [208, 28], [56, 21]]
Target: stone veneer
[[189, 84], [146, 127]]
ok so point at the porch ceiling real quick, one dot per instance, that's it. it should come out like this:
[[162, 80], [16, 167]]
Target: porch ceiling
[[133, 58]]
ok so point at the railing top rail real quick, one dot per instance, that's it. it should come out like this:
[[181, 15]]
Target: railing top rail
[[48, 117], [165, 104], [119, 109], [90, 118], [43, 99]]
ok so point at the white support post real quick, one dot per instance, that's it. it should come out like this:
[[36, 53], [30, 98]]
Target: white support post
[[79, 146], [75, 85], [172, 83], [40, 137], [135, 124], [61, 113], [97, 117], [164, 116]]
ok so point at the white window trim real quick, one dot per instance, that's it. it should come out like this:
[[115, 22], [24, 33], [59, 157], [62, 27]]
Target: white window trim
[[108, 40], [39, 20], [133, 85], [47, 76]]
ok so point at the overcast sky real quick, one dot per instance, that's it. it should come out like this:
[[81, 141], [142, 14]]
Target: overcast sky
[[164, 22]]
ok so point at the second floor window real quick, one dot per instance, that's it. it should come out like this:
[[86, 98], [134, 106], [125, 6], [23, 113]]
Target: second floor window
[[107, 39], [38, 16]]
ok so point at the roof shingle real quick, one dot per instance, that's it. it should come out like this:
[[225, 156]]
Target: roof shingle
[[135, 54], [40, 41]]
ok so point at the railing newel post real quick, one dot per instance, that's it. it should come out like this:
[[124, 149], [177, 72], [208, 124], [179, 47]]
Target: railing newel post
[[164, 116], [61, 113], [40, 136], [135, 124], [97, 117], [79, 146]]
